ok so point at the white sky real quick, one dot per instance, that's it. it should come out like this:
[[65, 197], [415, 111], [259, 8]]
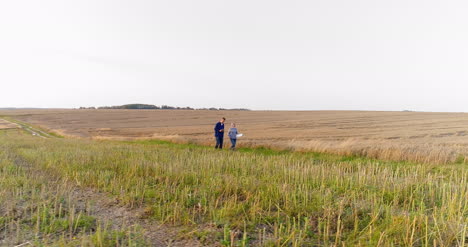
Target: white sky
[[258, 54]]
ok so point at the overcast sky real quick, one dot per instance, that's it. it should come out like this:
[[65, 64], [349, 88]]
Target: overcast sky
[[258, 54]]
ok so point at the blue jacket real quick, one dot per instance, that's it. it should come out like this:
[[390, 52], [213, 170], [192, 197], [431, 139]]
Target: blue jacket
[[219, 126]]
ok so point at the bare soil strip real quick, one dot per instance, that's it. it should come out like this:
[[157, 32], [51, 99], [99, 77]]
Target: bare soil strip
[[116, 216], [107, 209], [7, 125]]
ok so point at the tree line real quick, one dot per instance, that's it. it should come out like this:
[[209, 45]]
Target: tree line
[[162, 107]]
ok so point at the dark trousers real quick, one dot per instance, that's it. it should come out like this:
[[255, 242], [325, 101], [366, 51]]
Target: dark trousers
[[233, 142], [219, 142]]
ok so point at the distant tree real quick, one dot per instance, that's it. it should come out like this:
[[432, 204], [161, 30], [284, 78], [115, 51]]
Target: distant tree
[[139, 106]]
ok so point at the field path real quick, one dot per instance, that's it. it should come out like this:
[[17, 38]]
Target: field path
[[109, 211], [28, 128], [4, 124]]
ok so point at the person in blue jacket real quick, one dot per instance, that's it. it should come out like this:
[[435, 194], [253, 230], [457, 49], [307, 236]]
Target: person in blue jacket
[[219, 133]]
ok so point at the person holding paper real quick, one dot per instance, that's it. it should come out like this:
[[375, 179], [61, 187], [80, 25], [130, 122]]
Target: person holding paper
[[233, 135]]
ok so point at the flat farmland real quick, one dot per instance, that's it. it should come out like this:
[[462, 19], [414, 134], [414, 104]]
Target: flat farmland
[[91, 189], [413, 136]]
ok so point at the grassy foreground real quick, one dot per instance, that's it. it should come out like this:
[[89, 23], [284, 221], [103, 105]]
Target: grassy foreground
[[250, 197]]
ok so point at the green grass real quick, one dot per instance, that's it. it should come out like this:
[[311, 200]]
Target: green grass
[[258, 196]]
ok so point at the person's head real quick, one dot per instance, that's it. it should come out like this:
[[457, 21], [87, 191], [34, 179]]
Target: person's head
[[222, 120], [233, 125]]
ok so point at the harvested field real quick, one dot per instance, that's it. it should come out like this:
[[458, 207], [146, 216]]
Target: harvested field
[[414, 136]]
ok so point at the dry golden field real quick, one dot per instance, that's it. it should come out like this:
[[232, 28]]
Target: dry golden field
[[413, 136]]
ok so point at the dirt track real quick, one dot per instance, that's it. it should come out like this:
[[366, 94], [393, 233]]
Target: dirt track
[[4, 124], [105, 210]]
